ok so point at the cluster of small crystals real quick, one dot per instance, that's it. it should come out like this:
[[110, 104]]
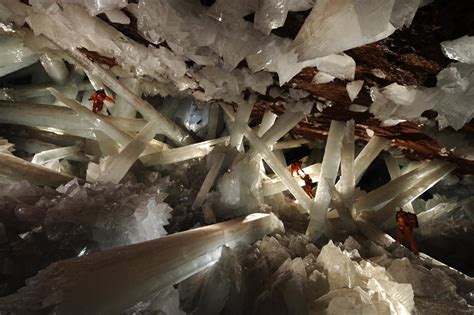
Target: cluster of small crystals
[[288, 274]]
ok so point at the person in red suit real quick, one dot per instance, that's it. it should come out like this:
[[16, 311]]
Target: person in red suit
[[98, 99], [406, 223], [308, 185], [295, 166]]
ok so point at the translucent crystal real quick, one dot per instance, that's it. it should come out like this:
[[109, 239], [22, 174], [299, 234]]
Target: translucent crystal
[[329, 170], [340, 66], [55, 67], [14, 55], [368, 154], [357, 24], [117, 16], [241, 120], [403, 12], [353, 88], [271, 14], [460, 49], [268, 120], [50, 155], [217, 160]]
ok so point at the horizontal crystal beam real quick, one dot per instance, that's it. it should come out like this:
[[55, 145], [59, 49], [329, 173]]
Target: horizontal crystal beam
[[19, 169], [50, 155], [329, 170], [181, 154], [59, 117], [409, 194], [278, 168], [170, 129], [111, 281]]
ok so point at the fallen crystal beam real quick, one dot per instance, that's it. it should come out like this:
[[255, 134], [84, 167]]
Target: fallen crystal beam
[[241, 120], [329, 170], [111, 281], [19, 169], [409, 194], [118, 165], [59, 117], [278, 168], [275, 185], [54, 154], [377, 198], [181, 154], [368, 154], [170, 129], [96, 120], [217, 160]]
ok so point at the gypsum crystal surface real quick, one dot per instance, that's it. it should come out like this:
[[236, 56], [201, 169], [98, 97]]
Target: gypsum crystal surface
[[287, 274], [156, 268]]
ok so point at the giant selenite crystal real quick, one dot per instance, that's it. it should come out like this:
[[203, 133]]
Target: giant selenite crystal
[[337, 25]]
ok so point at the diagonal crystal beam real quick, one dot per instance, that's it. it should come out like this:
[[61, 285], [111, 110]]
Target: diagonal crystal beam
[[59, 117], [19, 169], [268, 120], [368, 154], [329, 170], [214, 110], [394, 171], [211, 176], [96, 120], [379, 197], [278, 168], [238, 128], [409, 194], [118, 165], [170, 129], [111, 281]]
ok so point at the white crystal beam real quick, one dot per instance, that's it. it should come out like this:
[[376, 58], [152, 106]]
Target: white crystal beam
[[59, 117], [394, 171], [347, 180], [211, 176], [368, 154], [122, 108], [19, 169], [96, 120], [408, 195], [275, 185], [55, 68], [441, 209], [329, 170], [111, 281], [278, 168], [268, 120], [377, 198], [118, 165], [180, 154], [50, 155], [241, 120], [170, 129]]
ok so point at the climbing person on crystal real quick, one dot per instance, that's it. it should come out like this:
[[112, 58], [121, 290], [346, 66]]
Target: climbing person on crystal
[[406, 222], [98, 99], [295, 166], [308, 185]]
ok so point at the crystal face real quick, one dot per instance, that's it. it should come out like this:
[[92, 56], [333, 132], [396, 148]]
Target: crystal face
[[209, 182]]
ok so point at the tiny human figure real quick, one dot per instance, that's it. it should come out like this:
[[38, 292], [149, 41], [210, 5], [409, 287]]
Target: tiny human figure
[[295, 166], [308, 185], [98, 99], [406, 222]]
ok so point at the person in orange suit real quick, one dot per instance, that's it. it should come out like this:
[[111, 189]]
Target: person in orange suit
[[308, 185], [406, 223], [295, 166], [98, 99]]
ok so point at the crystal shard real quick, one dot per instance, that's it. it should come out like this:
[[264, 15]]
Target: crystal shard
[[355, 26], [460, 49]]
